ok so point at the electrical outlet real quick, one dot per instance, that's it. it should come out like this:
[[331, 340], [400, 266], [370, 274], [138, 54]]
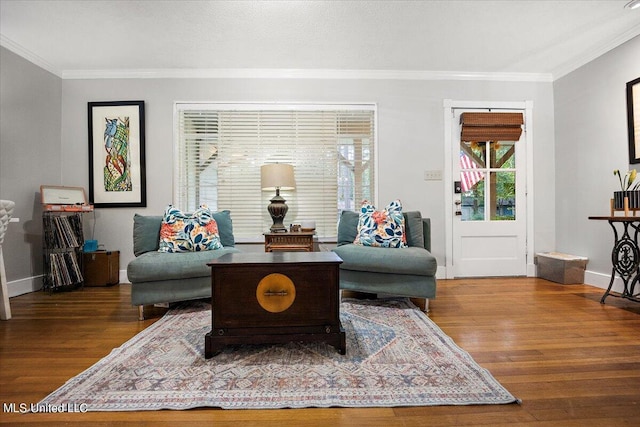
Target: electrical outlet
[[433, 175]]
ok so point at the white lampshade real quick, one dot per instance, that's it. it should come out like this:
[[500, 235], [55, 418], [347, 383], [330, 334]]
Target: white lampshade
[[277, 175]]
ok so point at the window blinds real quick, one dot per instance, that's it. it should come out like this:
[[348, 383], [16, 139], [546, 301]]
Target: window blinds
[[220, 149]]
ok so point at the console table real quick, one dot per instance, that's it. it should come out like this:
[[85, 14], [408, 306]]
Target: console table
[[625, 255]]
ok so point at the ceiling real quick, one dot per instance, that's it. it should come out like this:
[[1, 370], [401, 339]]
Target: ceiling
[[522, 39]]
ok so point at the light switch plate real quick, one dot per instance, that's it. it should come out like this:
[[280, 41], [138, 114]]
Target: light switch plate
[[433, 175]]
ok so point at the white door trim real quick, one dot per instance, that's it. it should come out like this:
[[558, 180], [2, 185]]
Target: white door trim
[[448, 106]]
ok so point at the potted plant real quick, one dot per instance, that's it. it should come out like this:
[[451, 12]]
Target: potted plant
[[627, 189]]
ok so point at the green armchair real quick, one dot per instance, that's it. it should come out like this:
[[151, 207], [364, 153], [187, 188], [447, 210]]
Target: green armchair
[[408, 272]]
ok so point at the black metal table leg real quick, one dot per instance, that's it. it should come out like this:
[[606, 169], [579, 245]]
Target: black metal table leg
[[625, 258]]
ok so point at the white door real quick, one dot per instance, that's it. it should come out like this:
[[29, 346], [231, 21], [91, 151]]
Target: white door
[[490, 214]]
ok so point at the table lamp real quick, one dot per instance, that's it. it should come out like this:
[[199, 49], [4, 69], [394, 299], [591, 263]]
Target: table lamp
[[277, 176]]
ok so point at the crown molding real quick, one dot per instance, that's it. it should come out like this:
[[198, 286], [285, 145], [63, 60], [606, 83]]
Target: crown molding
[[595, 52], [28, 55], [273, 73]]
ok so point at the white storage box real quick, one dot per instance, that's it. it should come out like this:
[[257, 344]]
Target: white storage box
[[561, 268]]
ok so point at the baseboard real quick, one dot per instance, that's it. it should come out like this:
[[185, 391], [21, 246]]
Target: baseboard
[[600, 280], [33, 284], [24, 286]]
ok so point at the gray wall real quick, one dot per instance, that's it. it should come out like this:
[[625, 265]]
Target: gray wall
[[410, 125], [53, 150], [591, 141], [30, 155], [579, 139]]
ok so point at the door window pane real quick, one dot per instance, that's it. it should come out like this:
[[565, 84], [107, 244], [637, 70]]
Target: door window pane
[[503, 155], [473, 199], [503, 197]]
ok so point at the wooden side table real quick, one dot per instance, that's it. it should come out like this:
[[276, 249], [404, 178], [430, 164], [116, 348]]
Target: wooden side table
[[300, 241]]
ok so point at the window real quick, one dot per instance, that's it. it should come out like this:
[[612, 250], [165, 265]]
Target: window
[[220, 148], [488, 165]]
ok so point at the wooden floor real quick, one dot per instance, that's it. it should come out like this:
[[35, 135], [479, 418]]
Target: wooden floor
[[571, 360]]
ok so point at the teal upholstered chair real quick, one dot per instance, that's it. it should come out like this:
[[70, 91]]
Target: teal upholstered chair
[[409, 272], [161, 277]]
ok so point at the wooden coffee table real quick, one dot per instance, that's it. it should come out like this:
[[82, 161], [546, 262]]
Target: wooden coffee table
[[276, 297]]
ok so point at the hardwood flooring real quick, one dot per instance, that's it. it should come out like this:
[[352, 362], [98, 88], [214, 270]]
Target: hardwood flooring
[[572, 360]]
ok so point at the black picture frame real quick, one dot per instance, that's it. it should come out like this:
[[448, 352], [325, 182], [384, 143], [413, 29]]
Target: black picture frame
[[633, 119], [117, 172]]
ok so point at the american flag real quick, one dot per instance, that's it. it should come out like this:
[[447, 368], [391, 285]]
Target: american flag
[[469, 178]]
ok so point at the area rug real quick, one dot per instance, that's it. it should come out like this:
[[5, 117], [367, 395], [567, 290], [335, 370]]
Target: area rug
[[396, 356]]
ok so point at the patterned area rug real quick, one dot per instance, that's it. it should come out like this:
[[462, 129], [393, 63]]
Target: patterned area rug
[[396, 356]]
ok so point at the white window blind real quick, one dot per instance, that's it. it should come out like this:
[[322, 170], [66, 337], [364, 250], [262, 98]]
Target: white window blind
[[220, 149]]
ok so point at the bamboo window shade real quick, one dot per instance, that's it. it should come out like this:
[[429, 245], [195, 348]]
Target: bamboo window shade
[[478, 127]]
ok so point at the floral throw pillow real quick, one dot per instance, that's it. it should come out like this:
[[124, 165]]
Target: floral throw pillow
[[381, 228], [182, 232]]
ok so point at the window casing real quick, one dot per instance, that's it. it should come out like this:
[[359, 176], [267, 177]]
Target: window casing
[[219, 149]]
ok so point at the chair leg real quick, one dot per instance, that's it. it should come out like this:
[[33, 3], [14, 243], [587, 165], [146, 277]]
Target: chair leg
[[421, 303], [5, 306], [141, 312]]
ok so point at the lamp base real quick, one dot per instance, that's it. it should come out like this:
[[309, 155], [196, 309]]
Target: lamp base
[[278, 209]]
